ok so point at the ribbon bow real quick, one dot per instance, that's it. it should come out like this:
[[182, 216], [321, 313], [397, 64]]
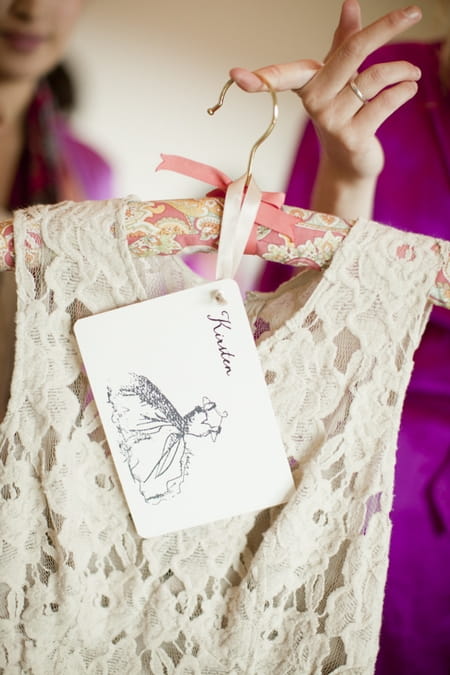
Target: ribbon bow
[[269, 213]]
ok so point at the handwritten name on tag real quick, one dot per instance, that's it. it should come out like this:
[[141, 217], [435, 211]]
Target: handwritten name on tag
[[182, 398], [222, 324]]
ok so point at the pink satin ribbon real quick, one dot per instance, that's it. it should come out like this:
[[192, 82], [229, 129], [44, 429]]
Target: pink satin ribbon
[[269, 214]]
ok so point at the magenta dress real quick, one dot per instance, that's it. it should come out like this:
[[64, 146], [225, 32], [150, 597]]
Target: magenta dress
[[413, 194]]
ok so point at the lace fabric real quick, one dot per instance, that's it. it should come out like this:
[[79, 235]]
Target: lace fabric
[[294, 589]]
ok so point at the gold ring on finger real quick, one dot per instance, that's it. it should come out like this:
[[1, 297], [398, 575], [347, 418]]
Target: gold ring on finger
[[357, 91]]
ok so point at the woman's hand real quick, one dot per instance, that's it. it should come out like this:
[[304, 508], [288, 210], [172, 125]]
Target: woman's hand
[[347, 119]]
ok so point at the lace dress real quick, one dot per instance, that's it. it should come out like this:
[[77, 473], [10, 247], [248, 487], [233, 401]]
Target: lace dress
[[294, 589]]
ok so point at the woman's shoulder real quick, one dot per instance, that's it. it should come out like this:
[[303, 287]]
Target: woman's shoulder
[[88, 162]]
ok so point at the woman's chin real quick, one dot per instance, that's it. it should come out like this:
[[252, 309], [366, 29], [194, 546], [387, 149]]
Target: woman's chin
[[25, 65]]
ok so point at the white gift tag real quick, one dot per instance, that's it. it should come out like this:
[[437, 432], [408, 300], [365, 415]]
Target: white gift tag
[[186, 412]]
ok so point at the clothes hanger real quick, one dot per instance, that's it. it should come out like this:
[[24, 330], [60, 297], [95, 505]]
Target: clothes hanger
[[290, 235], [268, 131]]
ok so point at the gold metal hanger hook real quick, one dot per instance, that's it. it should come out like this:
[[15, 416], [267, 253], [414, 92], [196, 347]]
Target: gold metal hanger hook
[[268, 131]]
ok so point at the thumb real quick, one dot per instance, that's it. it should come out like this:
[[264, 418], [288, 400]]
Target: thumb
[[281, 77]]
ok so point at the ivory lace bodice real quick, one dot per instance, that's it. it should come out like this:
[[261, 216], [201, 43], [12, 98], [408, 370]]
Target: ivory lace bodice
[[295, 589]]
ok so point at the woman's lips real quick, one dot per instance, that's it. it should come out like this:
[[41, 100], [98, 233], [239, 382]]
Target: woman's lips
[[22, 42]]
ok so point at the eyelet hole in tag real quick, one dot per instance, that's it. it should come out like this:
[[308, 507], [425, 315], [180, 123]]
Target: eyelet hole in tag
[[185, 409]]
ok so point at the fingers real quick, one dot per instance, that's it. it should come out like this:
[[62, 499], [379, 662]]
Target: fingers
[[281, 77], [371, 116], [347, 58], [380, 90], [350, 47], [376, 78], [349, 23]]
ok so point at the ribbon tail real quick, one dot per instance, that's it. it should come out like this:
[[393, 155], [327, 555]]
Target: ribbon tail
[[239, 212], [198, 170]]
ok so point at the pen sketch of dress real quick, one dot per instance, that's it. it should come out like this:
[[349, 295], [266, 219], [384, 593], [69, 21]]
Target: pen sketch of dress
[[154, 436]]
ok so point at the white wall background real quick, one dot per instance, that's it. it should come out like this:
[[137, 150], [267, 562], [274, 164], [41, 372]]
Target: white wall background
[[148, 69]]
